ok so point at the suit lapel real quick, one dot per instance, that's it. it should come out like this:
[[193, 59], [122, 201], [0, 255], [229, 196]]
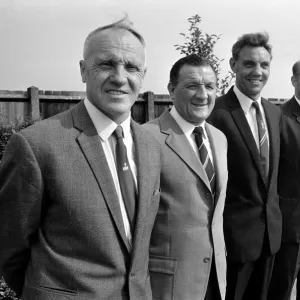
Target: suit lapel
[[143, 172], [218, 164], [295, 110], [91, 146], [241, 122], [273, 131], [178, 142]]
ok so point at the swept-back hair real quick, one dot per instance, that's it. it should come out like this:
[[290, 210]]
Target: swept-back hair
[[259, 39], [191, 60]]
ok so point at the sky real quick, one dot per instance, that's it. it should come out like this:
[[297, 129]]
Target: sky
[[42, 40]]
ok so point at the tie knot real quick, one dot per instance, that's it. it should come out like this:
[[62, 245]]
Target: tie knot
[[255, 105], [119, 132], [198, 130]]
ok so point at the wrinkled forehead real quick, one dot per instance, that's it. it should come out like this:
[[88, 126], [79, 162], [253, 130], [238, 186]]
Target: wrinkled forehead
[[201, 73], [115, 40]]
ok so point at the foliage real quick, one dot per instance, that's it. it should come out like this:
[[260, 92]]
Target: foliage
[[203, 44], [5, 292], [6, 131]]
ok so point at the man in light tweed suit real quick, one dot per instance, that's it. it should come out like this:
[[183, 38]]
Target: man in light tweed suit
[[66, 231]]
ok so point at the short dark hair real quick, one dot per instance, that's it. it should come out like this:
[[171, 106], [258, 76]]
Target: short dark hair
[[296, 68], [191, 60], [259, 39]]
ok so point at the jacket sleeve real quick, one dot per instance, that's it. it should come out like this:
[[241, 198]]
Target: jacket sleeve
[[20, 209]]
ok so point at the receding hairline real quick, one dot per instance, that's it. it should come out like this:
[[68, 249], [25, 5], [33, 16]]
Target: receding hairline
[[296, 68], [124, 24]]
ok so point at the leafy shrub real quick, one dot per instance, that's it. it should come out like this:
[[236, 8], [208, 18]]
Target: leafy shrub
[[198, 42], [5, 133], [5, 292]]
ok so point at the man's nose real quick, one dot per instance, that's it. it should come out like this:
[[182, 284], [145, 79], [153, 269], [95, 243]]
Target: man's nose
[[119, 75], [201, 92], [257, 70]]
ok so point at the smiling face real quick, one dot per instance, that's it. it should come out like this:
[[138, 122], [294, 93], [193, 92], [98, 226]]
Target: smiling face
[[113, 70], [252, 69], [195, 92]]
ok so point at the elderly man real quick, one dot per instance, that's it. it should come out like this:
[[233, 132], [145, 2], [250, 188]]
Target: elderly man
[[252, 217], [287, 261], [187, 250], [79, 192]]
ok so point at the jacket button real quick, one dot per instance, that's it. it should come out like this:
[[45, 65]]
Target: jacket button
[[208, 196], [206, 259]]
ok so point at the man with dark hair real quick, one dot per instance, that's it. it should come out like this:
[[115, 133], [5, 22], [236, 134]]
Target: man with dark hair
[[79, 191], [187, 249], [287, 260], [252, 217]]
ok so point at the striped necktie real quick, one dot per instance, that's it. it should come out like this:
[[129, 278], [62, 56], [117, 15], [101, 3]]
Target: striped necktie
[[125, 177], [204, 158], [263, 140]]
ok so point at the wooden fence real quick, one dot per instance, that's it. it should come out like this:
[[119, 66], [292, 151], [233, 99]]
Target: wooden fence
[[17, 106]]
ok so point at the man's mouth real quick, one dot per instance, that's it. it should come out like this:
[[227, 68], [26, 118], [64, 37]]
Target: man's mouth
[[116, 92], [255, 81], [199, 104]]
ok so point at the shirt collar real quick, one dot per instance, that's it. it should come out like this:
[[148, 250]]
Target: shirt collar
[[298, 101], [103, 124], [244, 100], [185, 126]]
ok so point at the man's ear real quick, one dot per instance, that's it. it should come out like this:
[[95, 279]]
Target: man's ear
[[171, 89], [82, 71], [293, 79], [232, 64]]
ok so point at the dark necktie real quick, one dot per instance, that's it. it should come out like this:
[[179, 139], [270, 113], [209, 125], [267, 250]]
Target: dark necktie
[[204, 157], [263, 140], [125, 177]]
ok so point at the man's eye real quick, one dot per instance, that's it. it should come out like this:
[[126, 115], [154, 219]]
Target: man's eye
[[265, 66], [105, 64], [131, 68]]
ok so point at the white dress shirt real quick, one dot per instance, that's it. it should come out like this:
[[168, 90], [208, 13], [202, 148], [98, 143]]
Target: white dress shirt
[[188, 129], [250, 114], [105, 127]]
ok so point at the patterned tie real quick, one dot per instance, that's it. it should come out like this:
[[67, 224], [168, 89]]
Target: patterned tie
[[125, 177], [263, 140], [204, 157]]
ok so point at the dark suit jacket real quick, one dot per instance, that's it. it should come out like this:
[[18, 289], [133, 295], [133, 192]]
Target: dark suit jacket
[[252, 205], [61, 229], [289, 171], [188, 230]]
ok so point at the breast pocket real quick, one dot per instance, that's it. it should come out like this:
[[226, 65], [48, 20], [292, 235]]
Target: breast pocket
[[162, 276]]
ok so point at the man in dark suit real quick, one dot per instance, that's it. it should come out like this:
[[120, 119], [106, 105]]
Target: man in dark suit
[[69, 226], [287, 261], [252, 217], [187, 249]]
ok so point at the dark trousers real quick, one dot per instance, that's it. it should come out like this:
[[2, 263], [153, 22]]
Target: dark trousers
[[213, 290], [286, 268], [250, 280]]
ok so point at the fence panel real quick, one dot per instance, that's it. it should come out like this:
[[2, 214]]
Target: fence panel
[[17, 106]]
